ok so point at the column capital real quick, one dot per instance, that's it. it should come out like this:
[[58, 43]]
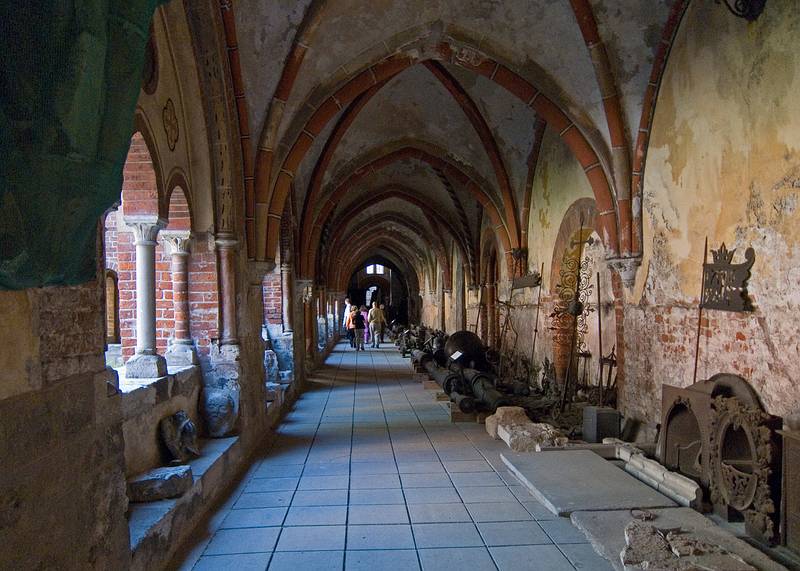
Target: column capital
[[145, 228], [287, 267], [225, 241], [178, 242]]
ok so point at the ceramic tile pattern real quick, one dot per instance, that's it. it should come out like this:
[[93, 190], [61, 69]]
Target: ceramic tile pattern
[[367, 472]]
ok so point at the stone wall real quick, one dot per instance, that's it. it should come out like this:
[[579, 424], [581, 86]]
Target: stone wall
[[723, 163], [62, 489]]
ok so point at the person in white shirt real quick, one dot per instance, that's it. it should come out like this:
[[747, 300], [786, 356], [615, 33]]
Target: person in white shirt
[[347, 307]]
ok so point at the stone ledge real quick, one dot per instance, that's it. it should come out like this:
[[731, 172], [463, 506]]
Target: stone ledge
[[155, 525]]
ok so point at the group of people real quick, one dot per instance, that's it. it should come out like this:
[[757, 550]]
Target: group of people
[[364, 326]]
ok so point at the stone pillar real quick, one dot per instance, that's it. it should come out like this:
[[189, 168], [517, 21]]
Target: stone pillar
[[446, 303], [180, 351], [146, 363], [287, 297], [226, 250], [309, 323]]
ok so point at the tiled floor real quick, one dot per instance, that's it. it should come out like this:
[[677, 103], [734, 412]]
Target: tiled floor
[[368, 473]]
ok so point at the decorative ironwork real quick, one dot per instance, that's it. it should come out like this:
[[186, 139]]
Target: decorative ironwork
[[725, 283], [750, 10], [170, 119]]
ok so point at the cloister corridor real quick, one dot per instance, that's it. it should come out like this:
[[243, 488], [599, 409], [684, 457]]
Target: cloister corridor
[[367, 472]]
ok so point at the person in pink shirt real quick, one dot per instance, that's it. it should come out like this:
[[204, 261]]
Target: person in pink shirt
[[365, 313]]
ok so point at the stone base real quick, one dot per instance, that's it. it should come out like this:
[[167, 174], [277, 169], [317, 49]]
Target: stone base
[[114, 355], [179, 355], [142, 366]]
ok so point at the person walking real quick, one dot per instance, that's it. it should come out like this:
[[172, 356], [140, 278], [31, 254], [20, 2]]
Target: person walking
[[350, 326], [359, 326], [365, 314], [385, 321], [347, 308], [376, 321]]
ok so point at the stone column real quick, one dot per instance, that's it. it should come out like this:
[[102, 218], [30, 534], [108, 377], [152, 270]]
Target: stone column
[[146, 363], [287, 297], [226, 250], [446, 301], [180, 351]]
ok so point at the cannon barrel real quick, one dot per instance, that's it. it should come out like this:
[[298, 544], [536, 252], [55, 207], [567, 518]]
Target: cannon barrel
[[445, 378], [483, 389], [464, 403]]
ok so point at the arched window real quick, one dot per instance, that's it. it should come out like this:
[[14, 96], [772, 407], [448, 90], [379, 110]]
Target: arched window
[[375, 269]]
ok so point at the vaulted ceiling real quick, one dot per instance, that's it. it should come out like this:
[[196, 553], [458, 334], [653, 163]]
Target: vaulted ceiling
[[420, 120]]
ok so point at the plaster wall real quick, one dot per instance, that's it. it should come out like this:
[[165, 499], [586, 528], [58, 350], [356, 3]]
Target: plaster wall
[[723, 163]]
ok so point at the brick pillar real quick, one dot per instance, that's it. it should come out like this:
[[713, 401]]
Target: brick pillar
[[180, 351], [226, 250], [287, 297], [146, 363]]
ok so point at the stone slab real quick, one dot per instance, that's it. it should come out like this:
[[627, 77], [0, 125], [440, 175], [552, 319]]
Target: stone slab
[[605, 530], [580, 480], [160, 483]]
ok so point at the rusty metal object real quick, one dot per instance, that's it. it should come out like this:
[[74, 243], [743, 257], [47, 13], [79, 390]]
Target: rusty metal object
[[725, 283]]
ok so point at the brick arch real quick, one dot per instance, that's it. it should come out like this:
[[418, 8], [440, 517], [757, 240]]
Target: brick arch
[[435, 242], [434, 219], [473, 114], [449, 168], [570, 226], [370, 236], [142, 186], [470, 59], [390, 243], [379, 281], [182, 200]]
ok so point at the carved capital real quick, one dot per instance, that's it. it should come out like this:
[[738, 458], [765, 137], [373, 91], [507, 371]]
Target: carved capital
[[177, 243], [626, 268], [224, 241], [145, 228]]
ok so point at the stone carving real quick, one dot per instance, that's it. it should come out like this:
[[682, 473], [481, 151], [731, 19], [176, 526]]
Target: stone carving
[[180, 436], [530, 436], [160, 484], [505, 415], [745, 465], [170, 120], [674, 549], [626, 268], [467, 56], [220, 409]]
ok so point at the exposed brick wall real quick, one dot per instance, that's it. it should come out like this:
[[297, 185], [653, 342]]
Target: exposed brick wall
[[139, 188], [126, 274], [140, 196], [273, 304], [203, 297]]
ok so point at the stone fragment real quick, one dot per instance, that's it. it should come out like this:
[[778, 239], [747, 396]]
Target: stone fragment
[[160, 484], [649, 547], [505, 415], [180, 436], [220, 409], [678, 487], [530, 436]]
